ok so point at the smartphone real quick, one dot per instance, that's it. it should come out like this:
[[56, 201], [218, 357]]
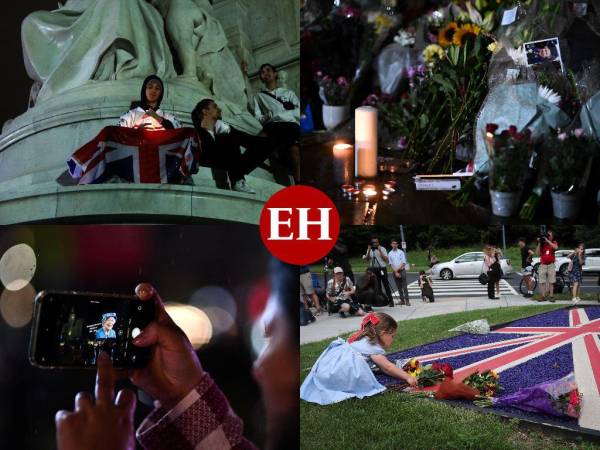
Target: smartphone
[[70, 329]]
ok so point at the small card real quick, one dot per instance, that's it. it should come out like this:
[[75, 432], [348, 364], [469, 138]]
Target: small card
[[510, 15], [430, 184]]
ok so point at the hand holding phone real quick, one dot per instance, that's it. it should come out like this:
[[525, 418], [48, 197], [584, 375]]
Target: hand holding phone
[[174, 368], [92, 422]]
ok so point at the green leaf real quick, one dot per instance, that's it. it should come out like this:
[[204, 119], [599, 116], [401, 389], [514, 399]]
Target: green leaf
[[453, 54], [445, 84], [423, 121]]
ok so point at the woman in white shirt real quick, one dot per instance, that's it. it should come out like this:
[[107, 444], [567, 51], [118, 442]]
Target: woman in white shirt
[[147, 113], [278, 110]]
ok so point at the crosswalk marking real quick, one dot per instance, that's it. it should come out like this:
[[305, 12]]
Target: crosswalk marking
[[458, 288]]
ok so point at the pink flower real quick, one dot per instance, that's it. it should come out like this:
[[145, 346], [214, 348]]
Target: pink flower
[[562, 136], [343, 82], [402, 143], [579, 133]]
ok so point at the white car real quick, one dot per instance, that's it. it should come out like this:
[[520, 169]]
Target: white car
[[466, 265], [562, 261], [592, 260]]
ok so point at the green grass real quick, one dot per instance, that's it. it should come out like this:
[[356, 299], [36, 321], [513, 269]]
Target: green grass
[[418, 258], [395, 421]]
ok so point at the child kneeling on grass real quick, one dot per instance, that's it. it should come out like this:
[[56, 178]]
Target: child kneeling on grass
[[343, 370]]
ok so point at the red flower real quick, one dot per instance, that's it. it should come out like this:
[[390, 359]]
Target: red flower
[[574, 398], [436, 366], [448, 371], [491, 128], [512, 130]]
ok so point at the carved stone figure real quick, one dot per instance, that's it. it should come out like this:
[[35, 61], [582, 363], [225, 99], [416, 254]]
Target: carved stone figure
[[98, 40], [201, 46]]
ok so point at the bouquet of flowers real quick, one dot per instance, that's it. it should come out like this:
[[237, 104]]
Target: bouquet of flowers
[[428, 375], [566, 157], [509, 153], [557, 398], [485, 382], [333, 91], [474, 327]]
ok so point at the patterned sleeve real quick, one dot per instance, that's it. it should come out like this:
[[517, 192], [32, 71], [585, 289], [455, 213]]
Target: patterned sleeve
[[202, 420], [126, 119]]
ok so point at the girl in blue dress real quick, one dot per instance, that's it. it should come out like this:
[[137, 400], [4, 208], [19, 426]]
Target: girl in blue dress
[[344, 369], [576, 274]]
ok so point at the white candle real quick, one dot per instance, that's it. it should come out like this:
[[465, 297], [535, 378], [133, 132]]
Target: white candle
[[365, 141], [343, 163]]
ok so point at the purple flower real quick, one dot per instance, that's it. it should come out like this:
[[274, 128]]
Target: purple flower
[[421, 70], [371, 100], [579, 133], [562, 136], [402, 143], [411, 71]]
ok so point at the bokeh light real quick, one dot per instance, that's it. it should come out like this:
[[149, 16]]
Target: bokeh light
[[17, 267], [219, 305], [16, 307], [193, 321]]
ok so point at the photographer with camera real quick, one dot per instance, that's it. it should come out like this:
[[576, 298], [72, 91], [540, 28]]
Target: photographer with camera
[[378, 259], [340, 292], [546, 246]]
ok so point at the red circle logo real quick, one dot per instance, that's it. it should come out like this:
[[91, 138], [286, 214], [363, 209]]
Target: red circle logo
[[299, 225]]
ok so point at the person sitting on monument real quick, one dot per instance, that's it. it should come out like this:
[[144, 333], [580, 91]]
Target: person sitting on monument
[[221, 145], [146, 113], [278, 110]]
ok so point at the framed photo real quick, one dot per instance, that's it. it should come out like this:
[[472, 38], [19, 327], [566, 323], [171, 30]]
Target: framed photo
[[544, 51]]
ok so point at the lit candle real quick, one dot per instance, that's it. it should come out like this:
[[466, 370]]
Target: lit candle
[[365, 141], [369, 190], [359, 183], [343, 163], [390, 184]]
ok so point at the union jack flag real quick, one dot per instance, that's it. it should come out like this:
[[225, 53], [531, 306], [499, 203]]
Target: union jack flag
[[529, 351], [137, 156]]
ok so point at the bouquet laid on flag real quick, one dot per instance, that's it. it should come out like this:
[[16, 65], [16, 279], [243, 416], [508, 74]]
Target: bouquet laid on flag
[[557, 398], [485, 382], [427, 375], [137, 156]]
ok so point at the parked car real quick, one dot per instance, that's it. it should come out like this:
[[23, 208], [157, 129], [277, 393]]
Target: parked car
[[561, 263], [466, 265], [592, 260]]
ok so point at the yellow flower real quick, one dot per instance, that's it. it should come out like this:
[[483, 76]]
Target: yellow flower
[[464, 33], [383, 22], [446, 34], [433, 52], [495, 47], [494, 374]]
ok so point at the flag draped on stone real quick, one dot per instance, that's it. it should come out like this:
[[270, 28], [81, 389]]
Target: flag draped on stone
[[137, 156]]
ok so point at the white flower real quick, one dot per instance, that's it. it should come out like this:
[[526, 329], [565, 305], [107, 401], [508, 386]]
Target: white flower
[[549, 95], [404, 38], [518, 55]]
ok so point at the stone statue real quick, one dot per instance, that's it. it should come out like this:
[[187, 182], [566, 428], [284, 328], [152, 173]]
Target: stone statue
[[201, 46], [98, 40]]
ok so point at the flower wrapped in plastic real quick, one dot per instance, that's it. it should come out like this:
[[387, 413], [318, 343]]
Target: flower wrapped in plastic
[[485, 382], [474, 327], [426, 375], [557, 398]]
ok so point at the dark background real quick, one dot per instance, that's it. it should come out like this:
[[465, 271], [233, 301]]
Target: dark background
[[15, 81], [114, 259]]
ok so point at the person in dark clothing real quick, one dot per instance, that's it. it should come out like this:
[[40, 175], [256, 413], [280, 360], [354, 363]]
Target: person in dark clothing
[[221, 145], [368, 292], [338, 257]]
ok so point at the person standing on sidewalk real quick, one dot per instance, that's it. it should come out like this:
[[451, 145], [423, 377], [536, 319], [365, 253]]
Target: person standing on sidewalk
[[397, 259], [488, 263], [377, 258], [526, 265], [546, 247], [307, 289]]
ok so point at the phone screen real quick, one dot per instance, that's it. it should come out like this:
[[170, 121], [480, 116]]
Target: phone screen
[[70, 329]]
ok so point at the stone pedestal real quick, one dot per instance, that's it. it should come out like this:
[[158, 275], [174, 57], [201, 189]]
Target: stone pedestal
[[35, 146]]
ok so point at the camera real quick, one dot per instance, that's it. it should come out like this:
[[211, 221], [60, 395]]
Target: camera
[[288, 106], [542, 236], [374, 247]]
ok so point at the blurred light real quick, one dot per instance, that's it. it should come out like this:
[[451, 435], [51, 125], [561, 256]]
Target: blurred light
[[260, 329], [221, 320], [16, 307], [218, 304], [193, 321], [258, 339], [135, 332], [257, 298], [17, 267]]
